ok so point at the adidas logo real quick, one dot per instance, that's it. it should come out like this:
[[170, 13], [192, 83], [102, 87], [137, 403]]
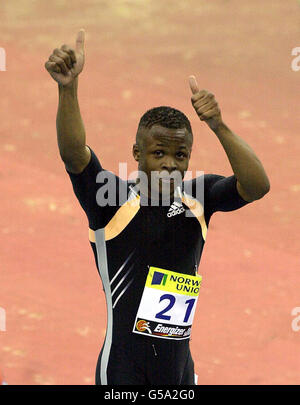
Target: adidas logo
[[175, 209]]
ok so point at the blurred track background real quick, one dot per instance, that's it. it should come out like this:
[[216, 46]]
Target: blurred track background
[[139, 54]]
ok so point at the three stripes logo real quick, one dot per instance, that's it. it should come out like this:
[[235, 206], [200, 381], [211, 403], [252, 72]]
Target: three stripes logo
[[175, 209]]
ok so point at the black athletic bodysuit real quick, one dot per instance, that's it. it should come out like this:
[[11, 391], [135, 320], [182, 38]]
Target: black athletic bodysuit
[[147, 258]]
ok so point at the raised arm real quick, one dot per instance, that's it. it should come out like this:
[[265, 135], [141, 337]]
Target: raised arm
[[252, 181], [64, 65]]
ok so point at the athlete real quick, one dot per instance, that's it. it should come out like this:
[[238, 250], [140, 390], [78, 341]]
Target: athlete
[[148, 235]]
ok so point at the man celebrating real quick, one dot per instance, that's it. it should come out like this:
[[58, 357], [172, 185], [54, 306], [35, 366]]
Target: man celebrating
[[148, 251]]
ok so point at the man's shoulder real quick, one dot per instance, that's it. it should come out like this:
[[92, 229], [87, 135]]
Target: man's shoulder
[[197, 186]]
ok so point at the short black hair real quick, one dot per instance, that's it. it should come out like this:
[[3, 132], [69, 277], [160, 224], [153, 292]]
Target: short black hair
[[165, 116]]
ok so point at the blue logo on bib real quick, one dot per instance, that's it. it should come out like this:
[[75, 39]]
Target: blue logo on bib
[[159, 278]]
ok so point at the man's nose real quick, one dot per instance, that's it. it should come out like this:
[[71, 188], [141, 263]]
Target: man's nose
[[169, 164]]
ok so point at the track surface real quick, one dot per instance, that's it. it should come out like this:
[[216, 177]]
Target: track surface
[[139, 54]]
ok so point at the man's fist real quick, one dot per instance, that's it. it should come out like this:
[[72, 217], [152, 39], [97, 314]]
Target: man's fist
[[66, 63], [205, 105]]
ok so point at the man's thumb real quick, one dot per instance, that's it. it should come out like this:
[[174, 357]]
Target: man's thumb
[[80, 41], [193, 84]]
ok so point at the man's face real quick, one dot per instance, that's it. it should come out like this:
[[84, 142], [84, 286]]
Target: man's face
[[165, 153]]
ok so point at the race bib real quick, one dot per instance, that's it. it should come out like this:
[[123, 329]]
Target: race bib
[[168, 304]]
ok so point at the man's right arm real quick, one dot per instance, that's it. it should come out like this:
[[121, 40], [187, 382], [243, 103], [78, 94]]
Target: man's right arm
[[64, 65], [70, 130]]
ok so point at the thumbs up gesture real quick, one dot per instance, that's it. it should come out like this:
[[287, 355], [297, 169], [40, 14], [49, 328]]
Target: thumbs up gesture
[[205, 105], [65, 63]]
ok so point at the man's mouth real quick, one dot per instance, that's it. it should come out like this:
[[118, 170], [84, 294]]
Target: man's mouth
[[167, 180]]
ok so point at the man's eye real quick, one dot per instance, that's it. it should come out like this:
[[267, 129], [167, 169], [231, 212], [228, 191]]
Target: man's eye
[[158, 153], [181, 155]]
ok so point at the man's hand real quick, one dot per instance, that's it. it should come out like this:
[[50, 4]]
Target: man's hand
[[205, 105], [65, 64]]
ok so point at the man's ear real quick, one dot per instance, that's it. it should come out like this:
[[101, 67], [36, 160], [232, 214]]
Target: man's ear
[[136, 152]]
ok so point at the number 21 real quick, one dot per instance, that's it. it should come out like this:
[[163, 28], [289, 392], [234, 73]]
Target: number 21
[[161, 315]]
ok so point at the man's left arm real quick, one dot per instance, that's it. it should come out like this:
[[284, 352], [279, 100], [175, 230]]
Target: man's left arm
[[252, 181]]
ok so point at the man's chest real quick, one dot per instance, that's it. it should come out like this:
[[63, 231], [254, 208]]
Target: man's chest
[[167, 226]]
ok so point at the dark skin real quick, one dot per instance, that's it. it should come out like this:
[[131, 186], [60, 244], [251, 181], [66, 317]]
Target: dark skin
[[162, 149], [65, 64]]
